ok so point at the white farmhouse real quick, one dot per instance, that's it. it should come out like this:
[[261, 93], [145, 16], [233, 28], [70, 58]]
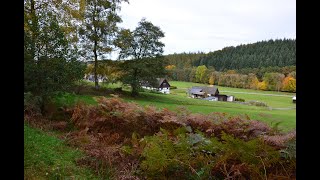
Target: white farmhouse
[[162, 86]]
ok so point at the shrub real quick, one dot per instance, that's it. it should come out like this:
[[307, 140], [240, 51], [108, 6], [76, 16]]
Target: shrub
[[182, 155], [167, 144], [32, 104], [173, 87], [290, 151], [245, 159], [46, 76], [126, 118], [116, 116], [279, 141], [80, 86], [188, 155], [239, 99]]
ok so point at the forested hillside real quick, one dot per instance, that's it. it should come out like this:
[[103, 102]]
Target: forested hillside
[[265, 65], [279, 52], [184, 60]]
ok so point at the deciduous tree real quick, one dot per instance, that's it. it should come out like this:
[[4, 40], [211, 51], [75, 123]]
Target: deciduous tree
[[211, 79], [48, 66], [170, 69], [274, 80], [144, 48], [262, 86], [252, 81], [98, 29], [289, 84], [202, 74], [292, 74]]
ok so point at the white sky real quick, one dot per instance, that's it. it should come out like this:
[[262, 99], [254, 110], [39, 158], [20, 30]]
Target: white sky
[[210, 25]]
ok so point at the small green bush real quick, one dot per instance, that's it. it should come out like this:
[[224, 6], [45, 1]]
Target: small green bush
[[188, 155], [239, 99], [173, 87], [32, 104], [290, 151], [49, 75]]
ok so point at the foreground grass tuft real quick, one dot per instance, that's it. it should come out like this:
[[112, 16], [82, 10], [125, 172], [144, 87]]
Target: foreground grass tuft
[[47, 157]]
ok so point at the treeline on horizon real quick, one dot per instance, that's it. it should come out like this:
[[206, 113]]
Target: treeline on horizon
[[265, 65], [279, 52]]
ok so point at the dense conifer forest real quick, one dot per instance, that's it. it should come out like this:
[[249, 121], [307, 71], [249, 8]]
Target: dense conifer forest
[[279, 52]]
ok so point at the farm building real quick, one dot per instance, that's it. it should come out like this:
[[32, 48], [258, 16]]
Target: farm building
[[222, 97], [203, 92], [162, 85], [294, 99], [208, 93], [230, 98]]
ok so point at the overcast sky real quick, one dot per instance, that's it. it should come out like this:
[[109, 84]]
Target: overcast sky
[[209, 25]]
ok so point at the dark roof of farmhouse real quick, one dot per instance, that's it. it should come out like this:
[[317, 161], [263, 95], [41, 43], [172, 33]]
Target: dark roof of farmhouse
[[202, 90], [196, 91], [211, 90], [160, 81]]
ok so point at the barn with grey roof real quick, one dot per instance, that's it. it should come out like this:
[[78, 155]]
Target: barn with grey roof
[[203, 92]]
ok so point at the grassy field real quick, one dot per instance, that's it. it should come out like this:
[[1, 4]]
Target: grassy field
[[181, 84], [283, 101], [170, 101], [178, 97], [47, 157], [286, 117], [67, 99]]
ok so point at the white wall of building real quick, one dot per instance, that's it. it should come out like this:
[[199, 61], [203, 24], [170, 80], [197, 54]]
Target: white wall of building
[[230, 98], [165, 90], [162, 90]]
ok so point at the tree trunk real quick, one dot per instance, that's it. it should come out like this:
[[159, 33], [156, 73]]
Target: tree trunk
[[96, 83], [34, 29], [134, 85], [134, 91]]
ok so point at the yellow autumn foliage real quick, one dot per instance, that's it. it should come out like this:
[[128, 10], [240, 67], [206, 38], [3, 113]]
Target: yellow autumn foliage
[[289, 84], [262, 85]]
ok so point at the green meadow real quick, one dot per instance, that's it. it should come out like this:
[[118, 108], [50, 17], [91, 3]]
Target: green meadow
[[273, 99], [280, 108]]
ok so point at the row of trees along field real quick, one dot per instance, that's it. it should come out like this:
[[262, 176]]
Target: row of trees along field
[[279, 52], [269, 78]]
